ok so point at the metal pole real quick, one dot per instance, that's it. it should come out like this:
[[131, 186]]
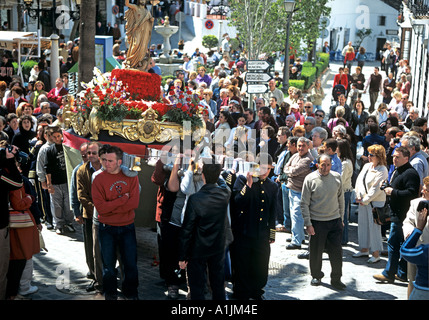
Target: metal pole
[[285, 85]]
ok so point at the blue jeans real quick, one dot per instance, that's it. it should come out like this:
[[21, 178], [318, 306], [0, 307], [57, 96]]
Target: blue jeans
[[347, 204], [297, 219], [395, 264], [124, 238], [286, 207]]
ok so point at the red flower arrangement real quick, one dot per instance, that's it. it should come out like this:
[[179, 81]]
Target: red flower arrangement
[[141, 85], [121, 99]]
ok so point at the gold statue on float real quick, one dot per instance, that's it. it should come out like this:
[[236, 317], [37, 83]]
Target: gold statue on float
[[139, 31]]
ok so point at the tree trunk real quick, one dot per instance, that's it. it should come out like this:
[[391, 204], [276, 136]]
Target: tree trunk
[[86, 42]]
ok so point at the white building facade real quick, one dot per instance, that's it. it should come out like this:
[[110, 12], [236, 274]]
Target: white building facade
[[414, 33], [347, 17]]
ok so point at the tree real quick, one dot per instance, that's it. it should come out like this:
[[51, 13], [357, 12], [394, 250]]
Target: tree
[[210, 41], [306, 25], [260, 24], [86, 41], [361, 34]]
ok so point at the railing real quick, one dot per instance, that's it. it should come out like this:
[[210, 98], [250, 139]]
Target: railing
[[419, 8]]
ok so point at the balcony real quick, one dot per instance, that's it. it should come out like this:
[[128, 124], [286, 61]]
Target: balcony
[[419, 8]]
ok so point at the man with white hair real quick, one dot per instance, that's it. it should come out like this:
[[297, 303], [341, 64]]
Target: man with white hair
[[294, 75], [225, 45], [290, 121], [417, 159], [273, 92], [413, 114]]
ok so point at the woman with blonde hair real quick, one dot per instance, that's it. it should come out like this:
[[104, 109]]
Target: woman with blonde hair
[[368, 196], [39, 88], [396, 104], [340, 111]]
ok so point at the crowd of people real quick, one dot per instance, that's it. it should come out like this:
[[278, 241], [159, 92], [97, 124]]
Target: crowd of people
[[378, 153], [316, 164]]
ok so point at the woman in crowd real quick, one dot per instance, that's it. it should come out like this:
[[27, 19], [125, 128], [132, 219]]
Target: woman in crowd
[[39, 88], [339, 113], [208, 101], [344, 152], [395, 104], [24, 243], [203, 77], [381, 113], [359, 117], [317, 94], [368, 196]]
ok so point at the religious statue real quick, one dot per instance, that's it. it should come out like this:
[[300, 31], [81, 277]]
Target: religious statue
[[139, 31]]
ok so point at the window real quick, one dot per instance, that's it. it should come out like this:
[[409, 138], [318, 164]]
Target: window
[[381, 21]]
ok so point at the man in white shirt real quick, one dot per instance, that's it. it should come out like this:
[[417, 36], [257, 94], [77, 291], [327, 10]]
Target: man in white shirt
[[225, 45], [187, 66]]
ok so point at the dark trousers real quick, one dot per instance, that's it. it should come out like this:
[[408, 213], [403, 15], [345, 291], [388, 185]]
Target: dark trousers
[[44, 202], [250, 266], [373, 96], [396, 265], [16, 267], [327, 234], [168, 248], [197, 276], [88, 244]]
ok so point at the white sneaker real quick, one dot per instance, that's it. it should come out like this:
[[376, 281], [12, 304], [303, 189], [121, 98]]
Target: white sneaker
[[361, 254], [374, 260], [33, 289]]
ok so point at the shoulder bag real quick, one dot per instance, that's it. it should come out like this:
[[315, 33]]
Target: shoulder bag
[[381, 216]]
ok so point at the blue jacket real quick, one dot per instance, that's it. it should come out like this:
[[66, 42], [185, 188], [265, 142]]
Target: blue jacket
[[418, 256]]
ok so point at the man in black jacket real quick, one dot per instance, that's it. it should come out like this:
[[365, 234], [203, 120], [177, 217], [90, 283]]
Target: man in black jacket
[[254, 230], [202, 238], [404, 187]]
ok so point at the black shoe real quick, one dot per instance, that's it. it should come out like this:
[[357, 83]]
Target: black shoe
[[337, 284], [316, 282], [70, 228], [292, 247], [304, 255], [90, 287]]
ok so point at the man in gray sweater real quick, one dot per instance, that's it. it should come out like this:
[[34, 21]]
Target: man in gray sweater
[[322, 205]]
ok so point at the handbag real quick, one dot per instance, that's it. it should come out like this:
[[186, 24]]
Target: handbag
[[381, 216], [19, 219]]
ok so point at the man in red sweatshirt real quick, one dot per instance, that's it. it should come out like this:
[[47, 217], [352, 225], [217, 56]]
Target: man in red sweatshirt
[[115, 197]]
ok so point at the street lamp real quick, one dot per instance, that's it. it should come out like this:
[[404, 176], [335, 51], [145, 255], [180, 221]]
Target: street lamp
[[289, 6], [35, 12]]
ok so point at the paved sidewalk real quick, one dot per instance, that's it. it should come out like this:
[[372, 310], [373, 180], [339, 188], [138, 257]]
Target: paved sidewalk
[[289, 277]]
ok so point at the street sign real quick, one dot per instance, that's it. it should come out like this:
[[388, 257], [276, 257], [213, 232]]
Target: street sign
[[257, 88], [257, 77], [258, 65]]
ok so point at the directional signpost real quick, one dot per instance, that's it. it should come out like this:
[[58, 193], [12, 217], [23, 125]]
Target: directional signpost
[[258, 65], [257, 88], [257, 77]]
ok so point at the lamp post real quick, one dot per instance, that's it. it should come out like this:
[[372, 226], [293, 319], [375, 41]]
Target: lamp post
[[289, 6], [35, 12]]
